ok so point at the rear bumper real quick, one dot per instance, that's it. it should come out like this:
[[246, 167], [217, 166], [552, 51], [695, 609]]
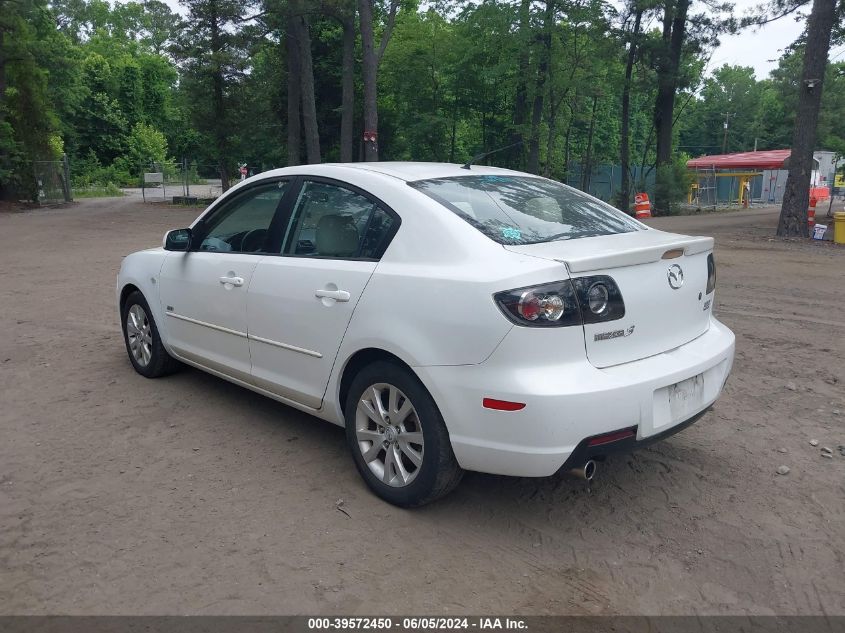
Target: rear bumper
[[585, 451], [569, 401]]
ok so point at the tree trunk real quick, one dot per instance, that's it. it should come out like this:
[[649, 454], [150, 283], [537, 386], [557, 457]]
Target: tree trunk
[[520, 107], [360, 142], [454, 130], [793, 211], [369, 71], [550, 143], [540, 88], [567, 141], [219, 105], [588, 157], [347, 108], [646, 144], [293, 50], [554, 108], [2, 77], [370, 59], [674, 32], [309, 106], [625, 125], [3, 152]]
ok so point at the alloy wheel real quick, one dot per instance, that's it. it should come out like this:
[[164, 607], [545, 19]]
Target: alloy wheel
[[389, 434], [139, 335]]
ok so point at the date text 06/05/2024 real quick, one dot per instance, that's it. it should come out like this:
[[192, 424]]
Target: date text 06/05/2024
[[417, 624]]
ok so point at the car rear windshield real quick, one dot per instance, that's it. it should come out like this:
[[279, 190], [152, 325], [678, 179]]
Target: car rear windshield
[[525, 210]]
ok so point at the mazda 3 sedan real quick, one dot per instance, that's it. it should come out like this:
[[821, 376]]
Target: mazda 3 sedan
[[450, 318]]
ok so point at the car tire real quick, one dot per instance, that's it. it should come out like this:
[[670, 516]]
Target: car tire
[[143, 342], [420, 470]]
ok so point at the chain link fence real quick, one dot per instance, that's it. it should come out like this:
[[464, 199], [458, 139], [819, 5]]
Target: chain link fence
[[52, 181], [704, 193], [157, 178], [605, 181], [182, 182]]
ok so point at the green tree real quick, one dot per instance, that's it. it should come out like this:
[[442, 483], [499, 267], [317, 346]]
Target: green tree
[[793, 214], [684, 33], [213, 57], [371, 56], [144, 146], [731, 92], [27, 120], [418, 116]]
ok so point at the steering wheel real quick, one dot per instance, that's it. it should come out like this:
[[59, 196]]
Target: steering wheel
[[253, 241]]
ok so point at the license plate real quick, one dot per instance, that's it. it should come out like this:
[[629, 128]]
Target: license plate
[[686, 398]]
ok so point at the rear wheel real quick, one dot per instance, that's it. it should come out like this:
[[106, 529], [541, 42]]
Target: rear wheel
[[397, 436], [143, 342]]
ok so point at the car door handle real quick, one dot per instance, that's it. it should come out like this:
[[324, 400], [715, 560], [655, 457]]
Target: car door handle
[[337, 295], [235, 281]]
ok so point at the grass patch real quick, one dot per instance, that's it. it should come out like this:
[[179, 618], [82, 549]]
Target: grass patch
[[108, 191]]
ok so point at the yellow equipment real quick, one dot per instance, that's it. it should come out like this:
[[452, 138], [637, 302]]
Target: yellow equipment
[[839, 227]]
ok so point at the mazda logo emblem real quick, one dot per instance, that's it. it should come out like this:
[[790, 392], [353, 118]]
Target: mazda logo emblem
[[676, 276]]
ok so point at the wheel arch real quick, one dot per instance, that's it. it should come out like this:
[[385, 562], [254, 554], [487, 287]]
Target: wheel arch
[[127, 290], [139, 273], [362, 358], [437, 480]]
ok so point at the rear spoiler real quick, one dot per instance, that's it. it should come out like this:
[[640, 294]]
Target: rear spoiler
[[639, 255]]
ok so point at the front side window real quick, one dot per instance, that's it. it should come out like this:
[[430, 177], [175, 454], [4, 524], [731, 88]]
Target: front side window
[[525, 210], [333, 221], [243, 225]]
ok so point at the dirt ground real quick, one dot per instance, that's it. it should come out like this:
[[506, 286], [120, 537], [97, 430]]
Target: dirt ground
[[188, 495]]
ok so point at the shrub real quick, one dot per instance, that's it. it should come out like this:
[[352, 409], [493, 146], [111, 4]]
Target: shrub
[[672, 185], [86, 171], [98, 191]]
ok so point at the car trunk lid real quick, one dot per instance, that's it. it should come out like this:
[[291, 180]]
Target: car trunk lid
[[662, 278]]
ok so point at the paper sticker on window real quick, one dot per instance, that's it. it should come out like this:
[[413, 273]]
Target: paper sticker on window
[[510, 233]]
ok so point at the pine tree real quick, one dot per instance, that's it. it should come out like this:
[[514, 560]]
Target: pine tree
[[212, 52], [796, 194]]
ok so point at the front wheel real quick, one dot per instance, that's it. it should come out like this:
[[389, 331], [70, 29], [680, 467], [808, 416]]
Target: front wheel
[[397, 436], [143, 342]]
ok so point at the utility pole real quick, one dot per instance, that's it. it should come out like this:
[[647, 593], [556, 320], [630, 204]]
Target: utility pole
[[728, 115]]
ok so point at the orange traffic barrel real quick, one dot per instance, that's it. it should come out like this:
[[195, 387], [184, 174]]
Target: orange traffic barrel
[[820, 193], [811, 213], [642, 207]]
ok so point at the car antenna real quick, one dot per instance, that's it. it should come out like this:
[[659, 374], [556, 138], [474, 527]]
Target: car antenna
[[484, 155]]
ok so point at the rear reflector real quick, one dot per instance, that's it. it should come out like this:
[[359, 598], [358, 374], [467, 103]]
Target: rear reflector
[[607, 438], [502, 405]]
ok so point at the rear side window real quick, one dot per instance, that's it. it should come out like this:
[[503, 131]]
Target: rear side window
[[332, 221], [525, 210]]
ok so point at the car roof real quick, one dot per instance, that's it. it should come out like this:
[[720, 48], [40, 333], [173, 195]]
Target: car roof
[[407, 171]]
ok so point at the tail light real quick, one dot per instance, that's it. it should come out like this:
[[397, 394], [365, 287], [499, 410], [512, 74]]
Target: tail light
[[549, 305], [711, 274], [600, 299], [583, 300]]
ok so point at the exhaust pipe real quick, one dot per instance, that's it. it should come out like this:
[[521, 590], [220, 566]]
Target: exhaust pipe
[[585, 472]]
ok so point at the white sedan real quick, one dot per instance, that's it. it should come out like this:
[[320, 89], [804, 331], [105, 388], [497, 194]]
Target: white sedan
[[451, 318]]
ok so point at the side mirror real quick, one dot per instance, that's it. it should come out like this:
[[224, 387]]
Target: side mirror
[[177, 240]]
